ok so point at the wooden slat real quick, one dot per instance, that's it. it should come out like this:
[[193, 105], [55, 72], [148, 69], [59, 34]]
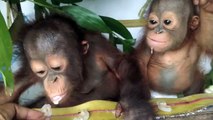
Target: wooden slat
[[134, 22]]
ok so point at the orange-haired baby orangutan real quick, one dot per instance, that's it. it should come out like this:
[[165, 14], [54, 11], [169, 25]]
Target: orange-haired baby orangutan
[[174, 41]]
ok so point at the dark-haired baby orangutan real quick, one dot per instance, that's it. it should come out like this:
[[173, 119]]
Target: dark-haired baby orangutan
[[76, 65]]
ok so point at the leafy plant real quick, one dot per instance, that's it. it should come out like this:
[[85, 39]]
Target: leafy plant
[[209, 78], [6, 56]]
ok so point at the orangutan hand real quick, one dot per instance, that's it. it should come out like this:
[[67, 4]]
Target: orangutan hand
[[10, 111], [206, 5]]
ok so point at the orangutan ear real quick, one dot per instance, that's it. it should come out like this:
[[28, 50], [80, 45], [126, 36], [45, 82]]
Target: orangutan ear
[[85, 46], [194, 22]]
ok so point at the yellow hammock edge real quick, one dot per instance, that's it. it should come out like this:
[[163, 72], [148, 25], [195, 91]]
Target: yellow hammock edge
[[105, 110]]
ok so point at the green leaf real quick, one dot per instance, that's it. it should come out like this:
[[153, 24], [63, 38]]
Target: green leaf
[[14, 1], [82, 16], [120, 29], [6, 55], [39, 11], [117, 27], [43, 3], [16, 26], [69, 1], [57, 2], [86, 18], [127, 44]]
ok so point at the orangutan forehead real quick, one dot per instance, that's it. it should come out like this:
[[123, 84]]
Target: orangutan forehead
[[177, 6], [44, 44]]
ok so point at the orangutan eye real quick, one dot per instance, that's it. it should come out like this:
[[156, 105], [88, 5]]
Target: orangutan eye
[[167, 22], [58, 68], [152, 22], [40, 73]]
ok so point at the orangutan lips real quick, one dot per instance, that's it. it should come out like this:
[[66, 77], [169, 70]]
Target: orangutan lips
[[56, 99]]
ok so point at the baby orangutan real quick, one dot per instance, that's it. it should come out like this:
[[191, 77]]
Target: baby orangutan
[[77, 65], [173, 43]]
